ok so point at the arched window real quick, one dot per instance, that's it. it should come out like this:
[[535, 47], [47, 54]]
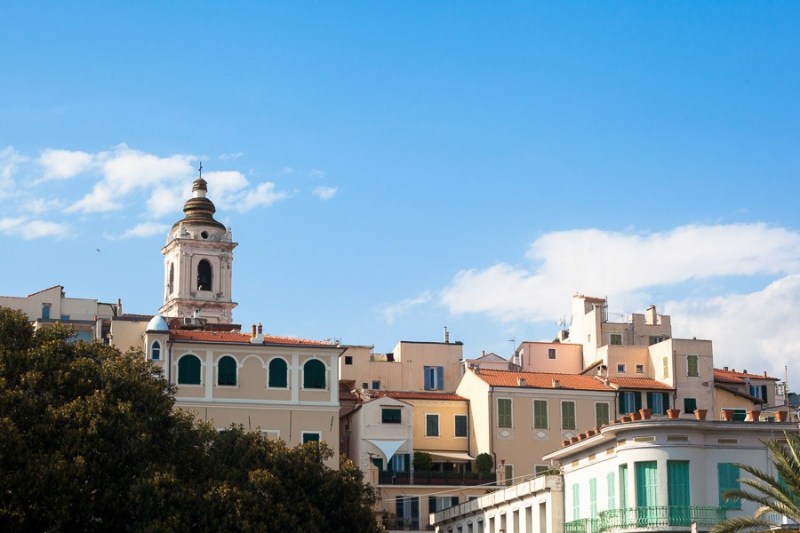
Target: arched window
[[171, 285], [189, 370], [314, 374], [226, 371], [204, 275], [277, 373], [155, 351]]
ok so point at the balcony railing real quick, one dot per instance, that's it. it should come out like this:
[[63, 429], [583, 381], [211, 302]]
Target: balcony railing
[[436, 478], [648, 517]]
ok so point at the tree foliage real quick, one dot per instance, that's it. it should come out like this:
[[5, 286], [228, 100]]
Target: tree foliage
[[775, 495], [484, 463], [91, 440], [423, 461]]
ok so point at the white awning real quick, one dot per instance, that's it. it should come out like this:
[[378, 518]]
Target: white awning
[[458, 456], [387, 447]]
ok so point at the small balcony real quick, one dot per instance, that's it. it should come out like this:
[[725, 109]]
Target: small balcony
[[436, 478], [635, 518]]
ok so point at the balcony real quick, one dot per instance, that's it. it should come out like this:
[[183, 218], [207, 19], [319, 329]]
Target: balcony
[[436, 478], [634, 518]]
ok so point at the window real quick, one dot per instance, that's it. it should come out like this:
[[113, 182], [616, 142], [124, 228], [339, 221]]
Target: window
[[376, 384], [391, 415], [314, 374], [155, 351], [616, 339], [439, 503], [630, 401], [551, 353], [226, 371], [407, 510], [576, 503], [689, 405], [640, 369], [277, 373], [665, 363], [171, 285], [621, 368], [646, 484], [189, 370], [759, 391], [567, 415], [658, 402], [504, 419], [431, 425], [348, 359], [311, 436], [540, 469], [540, 414], [677, 486], [655, 339], [204, 275], [509, 470], [434, 378], [611, 489], [728, 479], [399, 463], [46, 311], [593, 497], [461, 425], [623, 486], [601, 414], [692, 366]]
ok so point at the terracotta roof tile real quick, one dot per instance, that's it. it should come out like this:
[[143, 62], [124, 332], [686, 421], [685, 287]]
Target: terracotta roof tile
[[732, 376], [234, 337], [416, 395], [539, 380], [638, 383]]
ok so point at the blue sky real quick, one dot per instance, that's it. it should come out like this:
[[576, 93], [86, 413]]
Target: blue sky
[[390, 168]]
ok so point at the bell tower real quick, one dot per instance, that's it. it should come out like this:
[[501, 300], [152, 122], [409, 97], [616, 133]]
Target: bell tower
[[197, 263]]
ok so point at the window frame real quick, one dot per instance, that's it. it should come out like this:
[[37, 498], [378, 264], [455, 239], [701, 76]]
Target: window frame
[[285, 370], [687, 402], [308, 379], [541, 418], [597, 419], [189, 357], [235, 369], [391, 419], [615, 337], [434, 380], [510, 415], [201, 272], [428, 418], [155, 350], [551, 353], [456, 418], [696, 364], [621, 368], [728, 475], [303, 435], [564, 418]]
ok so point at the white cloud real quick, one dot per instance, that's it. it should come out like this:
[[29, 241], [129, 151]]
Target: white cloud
[[63, 164], [231, 156], [165, 200], [618, 265], [10, 160], [42, 205], [391, 311], [144, 229], [264, 195], [32, 229], [316, 173], [324, 193]]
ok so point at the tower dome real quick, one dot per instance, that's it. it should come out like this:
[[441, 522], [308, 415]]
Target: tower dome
[[199, 210]]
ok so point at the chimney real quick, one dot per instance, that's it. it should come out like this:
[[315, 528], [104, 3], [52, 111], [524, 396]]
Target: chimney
[[257, 337], [650, 316], [260, 329], [556, 384], [725, 368], [522, 382], [476, 369], [254, 331], [446, 335]]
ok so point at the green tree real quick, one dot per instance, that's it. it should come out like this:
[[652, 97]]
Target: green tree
[[779, 495], [484, 463], [423, 461], [91, 440]]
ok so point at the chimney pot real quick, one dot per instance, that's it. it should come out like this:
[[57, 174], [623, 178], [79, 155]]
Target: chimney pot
[[254, 330], [260, 329]]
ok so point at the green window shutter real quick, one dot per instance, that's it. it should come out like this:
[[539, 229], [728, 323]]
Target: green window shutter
[[601, 414], [504, 418], [576, 504], [692, 366], [567, 415], [593, 497], [689, 405], [277, 373], [611, 489], [314, 374], [432, 425], [461, 426], [390, 416], [623, 486], [540, 414], [226, 371], [646, 484], [310, 437], [678, 483], [637, 398], [728, 479], [431, 504], [189, 370]]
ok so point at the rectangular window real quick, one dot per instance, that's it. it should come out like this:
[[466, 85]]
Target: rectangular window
[[620, 368], [348, 359], [623, 486], [376, 385], [646, 484], [678, 485], [461, 425], [759, 391], [616, 339], [629, 402], [551, 353], [46, 311], [431, 425], [540, 469], [391, 415], [692, 368], [593, 497], [399, 462], [407, 510], [601, 414], [658, 402], [504, 418], [311, 436], [576, 502], [434, 377], [440, 503], [509, 474], [665, 363], [640, 369], [689, 405], [568, 415], [540, 414], [655, 339], [611, 489], [728, 479]]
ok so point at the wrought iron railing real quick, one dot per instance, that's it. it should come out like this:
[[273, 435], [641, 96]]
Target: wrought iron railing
[[648, 517], [435, 478]]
